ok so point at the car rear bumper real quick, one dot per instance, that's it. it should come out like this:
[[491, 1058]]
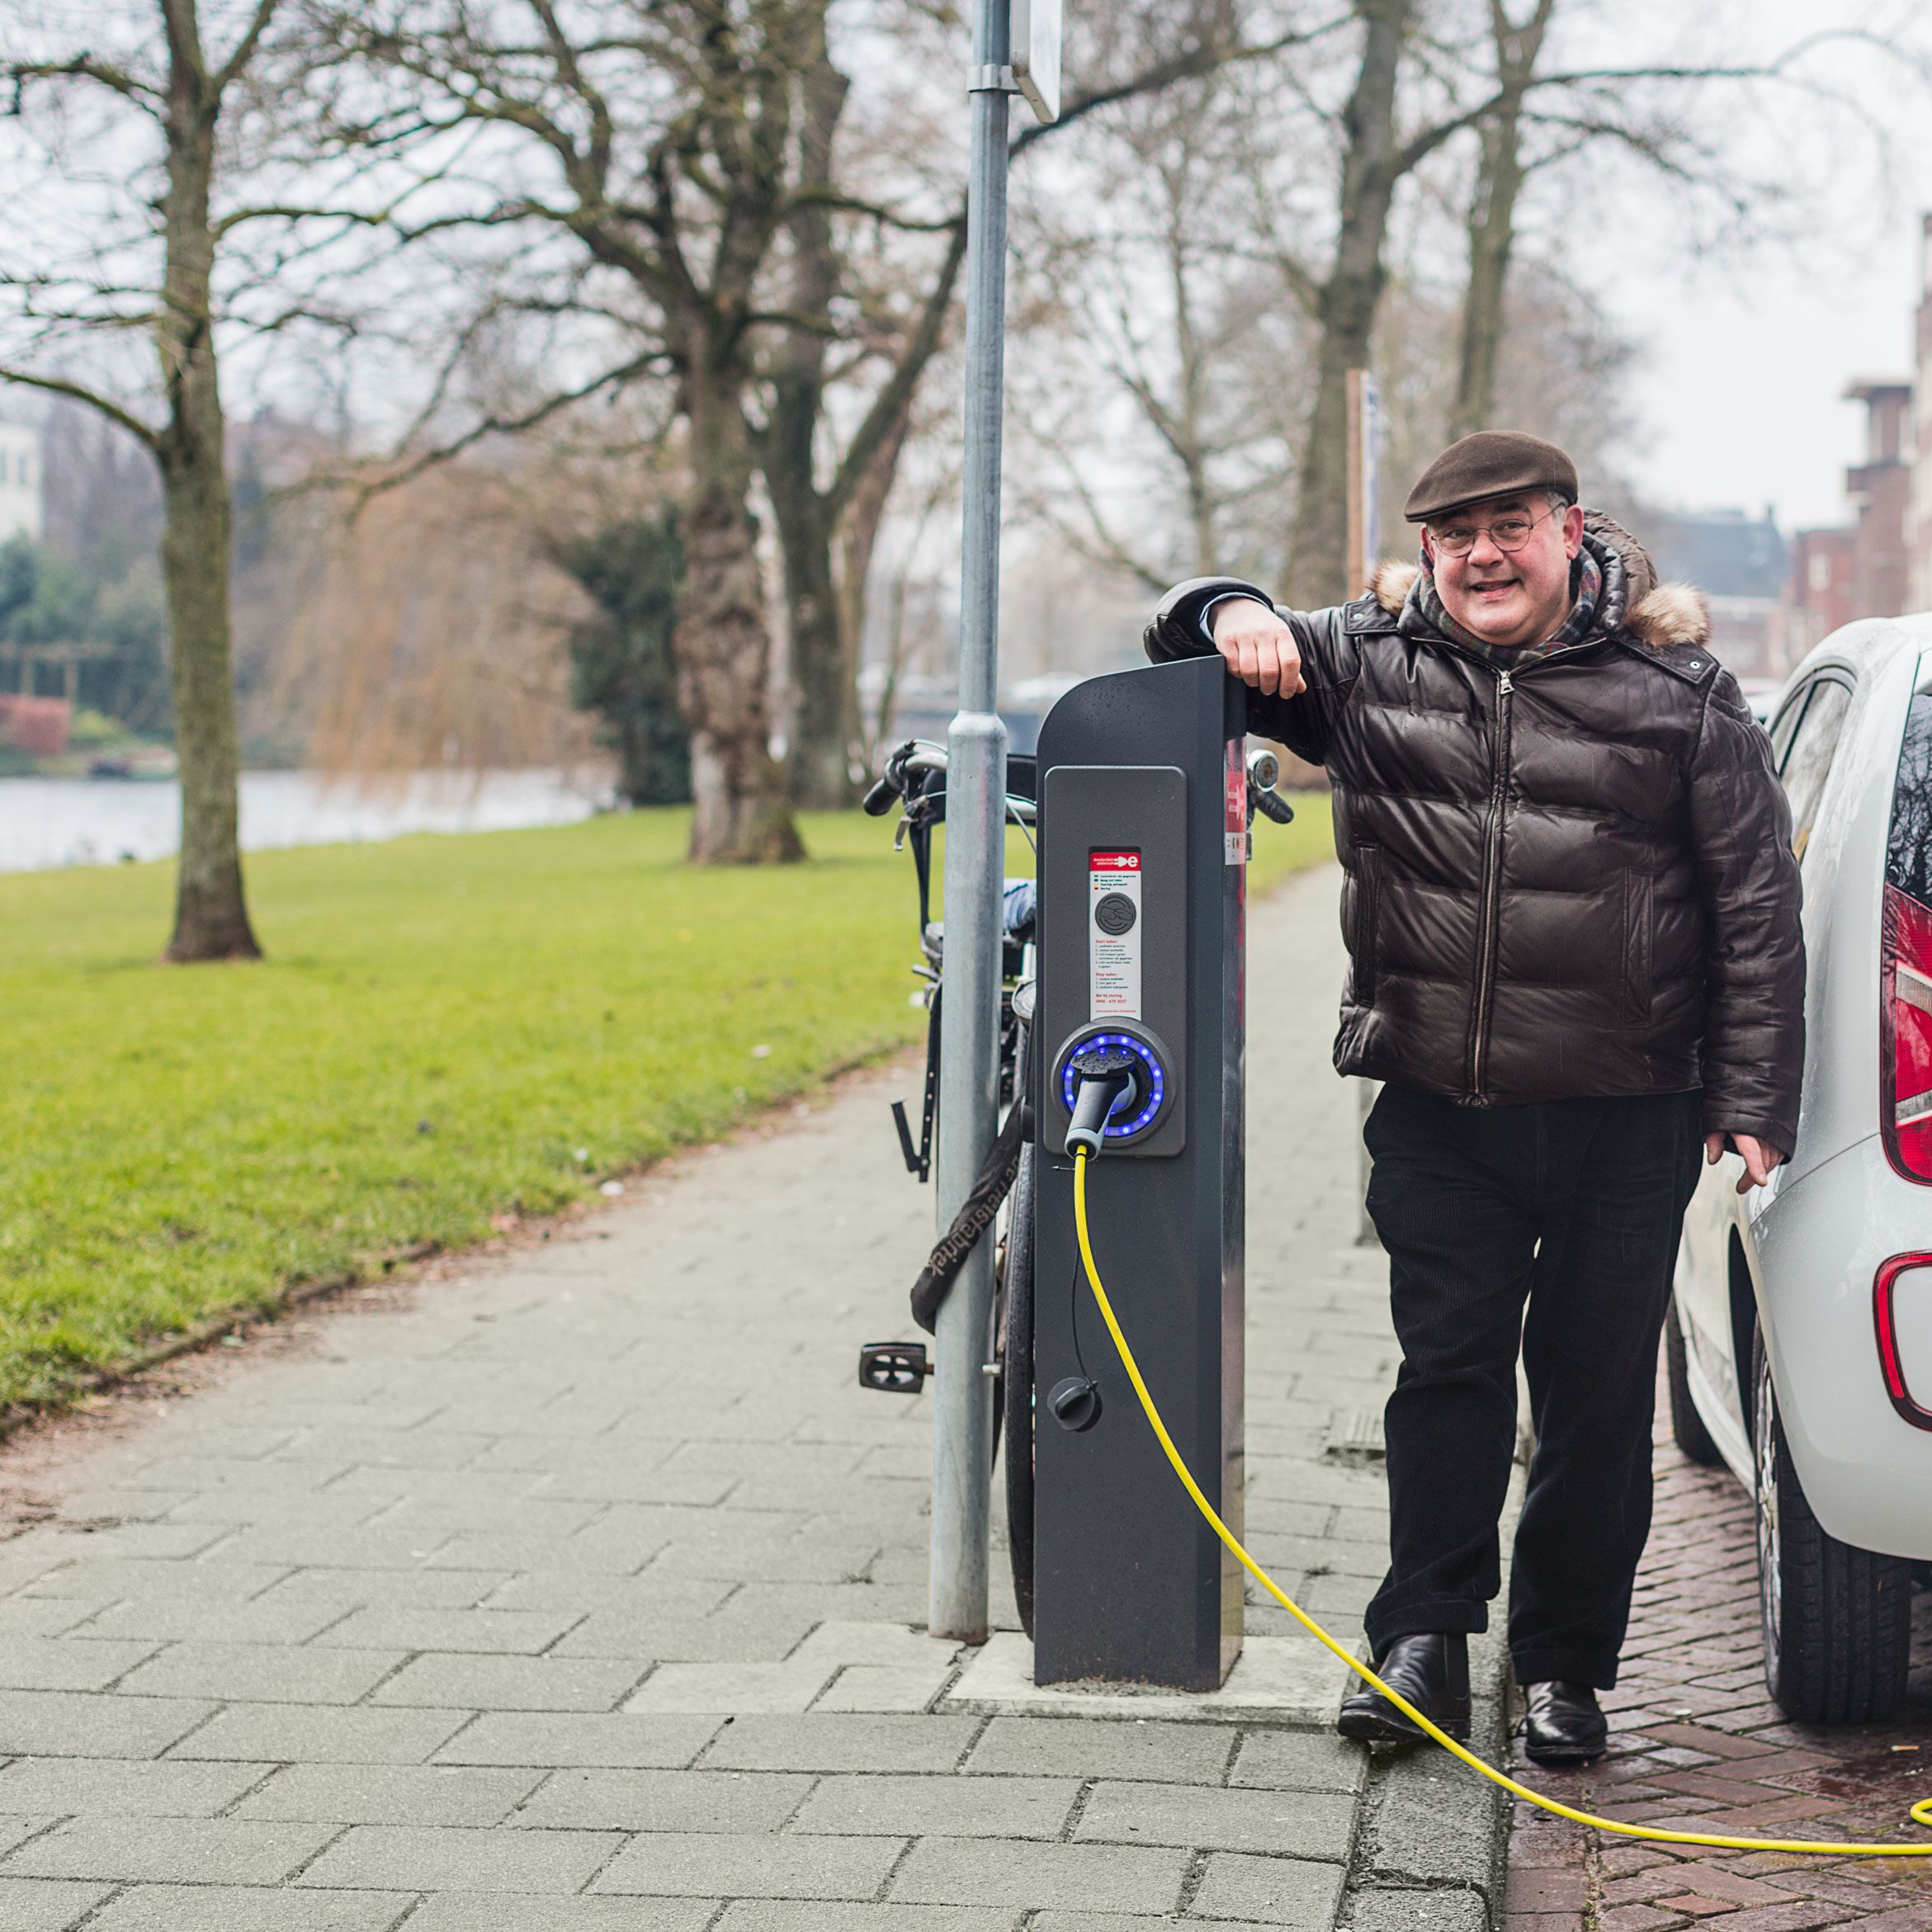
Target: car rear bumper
[[1867, 1470]]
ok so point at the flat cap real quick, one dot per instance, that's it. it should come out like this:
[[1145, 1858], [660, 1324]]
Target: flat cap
[[1492, 463]]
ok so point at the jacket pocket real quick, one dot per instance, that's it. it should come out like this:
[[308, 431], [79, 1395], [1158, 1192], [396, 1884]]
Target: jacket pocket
[[1367, 918], [1638, 919]]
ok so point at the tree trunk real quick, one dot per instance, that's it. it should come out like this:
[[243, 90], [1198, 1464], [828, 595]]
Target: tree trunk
[[1492, 217], [211, 915], [859, 535], [1345, 306], [723, 647], [824, 718], [824, 696], [1492, 233]]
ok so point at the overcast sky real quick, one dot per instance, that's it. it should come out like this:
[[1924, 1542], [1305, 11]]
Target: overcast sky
[[1740, 388]]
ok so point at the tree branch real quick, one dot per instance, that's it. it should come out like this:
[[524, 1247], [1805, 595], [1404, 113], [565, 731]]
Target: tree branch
[[61, 386]]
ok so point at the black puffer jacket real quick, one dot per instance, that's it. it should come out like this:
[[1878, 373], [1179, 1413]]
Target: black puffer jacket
[[1572, 880]]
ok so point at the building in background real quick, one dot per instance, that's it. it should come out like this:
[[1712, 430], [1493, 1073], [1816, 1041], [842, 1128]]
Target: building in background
[[20, 483], [1880, 489], [1740, 563], [1868, 568]]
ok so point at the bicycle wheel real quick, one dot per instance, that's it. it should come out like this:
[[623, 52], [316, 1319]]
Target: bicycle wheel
[[1017, 1391]]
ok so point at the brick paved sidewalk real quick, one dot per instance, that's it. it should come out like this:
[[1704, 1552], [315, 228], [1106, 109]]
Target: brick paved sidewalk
[[1697, 1743], [583, 1589]]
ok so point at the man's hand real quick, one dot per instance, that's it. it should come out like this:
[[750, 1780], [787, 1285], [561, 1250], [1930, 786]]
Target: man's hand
[[1259, 647], [1758, 1157]]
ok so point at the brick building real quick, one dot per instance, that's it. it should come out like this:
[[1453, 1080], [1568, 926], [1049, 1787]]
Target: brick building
[[1868, 568]]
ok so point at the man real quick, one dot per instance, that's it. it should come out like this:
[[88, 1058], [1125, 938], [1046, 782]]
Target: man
[[1571, 912]]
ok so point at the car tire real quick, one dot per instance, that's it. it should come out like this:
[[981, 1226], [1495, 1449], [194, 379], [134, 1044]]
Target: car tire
[[1836, 1620], [1687, 1426]]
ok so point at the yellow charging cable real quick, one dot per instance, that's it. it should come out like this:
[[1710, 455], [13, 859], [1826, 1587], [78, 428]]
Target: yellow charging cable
[[1921, 1812]]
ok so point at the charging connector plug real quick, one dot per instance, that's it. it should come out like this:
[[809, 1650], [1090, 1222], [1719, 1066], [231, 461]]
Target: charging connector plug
[[1104, 1080]]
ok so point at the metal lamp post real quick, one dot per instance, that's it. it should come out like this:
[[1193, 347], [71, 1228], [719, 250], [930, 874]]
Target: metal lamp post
[[975, 828]]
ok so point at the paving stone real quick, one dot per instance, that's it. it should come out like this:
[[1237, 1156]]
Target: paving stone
[[916, 1807], [1270, 1891], [666, 1801], [389, 1794], [230, 1908], [472, 1912], [967, 1871], [211, 1851], [46, 1905], [261, 1621], [1060, 1921], [342, 1587], [299, 1545], [106, 1577], [559, 1739], [128, 1787], [748, 1914], [1449, 1911], [883, 1687], [47, 1723], [701, 1863], [50, 1616], [1297, 1824], [67, 1663], [1082, 1747], [653, 1598], [322, 1735], [392, 1627], [285, 1674], [836, 1742], [473, 1682], [730, 1690], [405, 1858], [651, 1636], [1298, 1760]]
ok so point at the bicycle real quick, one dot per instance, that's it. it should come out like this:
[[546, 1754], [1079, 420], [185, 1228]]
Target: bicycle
[[914, 776]]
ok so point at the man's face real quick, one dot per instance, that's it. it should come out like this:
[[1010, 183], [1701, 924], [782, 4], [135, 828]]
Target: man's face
[[1506, 597]]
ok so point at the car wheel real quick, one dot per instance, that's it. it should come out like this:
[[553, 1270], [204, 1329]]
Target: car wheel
[[1687, 1426], [1837, 1620]]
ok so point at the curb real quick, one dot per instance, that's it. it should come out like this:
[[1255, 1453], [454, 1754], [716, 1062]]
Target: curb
[[1432, 1838]]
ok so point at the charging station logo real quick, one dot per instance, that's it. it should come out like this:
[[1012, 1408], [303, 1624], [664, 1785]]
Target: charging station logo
[[1113, 935]]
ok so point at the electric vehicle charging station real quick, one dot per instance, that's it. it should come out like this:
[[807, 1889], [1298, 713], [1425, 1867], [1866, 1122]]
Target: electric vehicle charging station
[[1143, 842]]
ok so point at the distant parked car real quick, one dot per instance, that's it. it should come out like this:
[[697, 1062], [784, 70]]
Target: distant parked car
[[1799, 1347], [1761, 694]]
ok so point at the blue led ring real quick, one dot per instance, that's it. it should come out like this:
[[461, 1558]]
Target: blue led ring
[[1156, 1082]]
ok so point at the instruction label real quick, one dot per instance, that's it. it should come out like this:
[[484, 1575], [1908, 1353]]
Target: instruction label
[[1233, 845], [1113, 935]]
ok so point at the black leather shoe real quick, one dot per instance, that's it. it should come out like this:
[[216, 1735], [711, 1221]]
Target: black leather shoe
[[1431, 1671], [1565, 1724]]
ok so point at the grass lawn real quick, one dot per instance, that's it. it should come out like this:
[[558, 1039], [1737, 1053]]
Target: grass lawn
[[445, 1028]]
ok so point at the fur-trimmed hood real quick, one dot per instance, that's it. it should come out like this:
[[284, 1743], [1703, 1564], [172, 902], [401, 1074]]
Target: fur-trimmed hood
[[1662, 616]]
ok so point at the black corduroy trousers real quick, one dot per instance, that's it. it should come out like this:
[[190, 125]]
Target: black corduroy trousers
[[1554, 1227]]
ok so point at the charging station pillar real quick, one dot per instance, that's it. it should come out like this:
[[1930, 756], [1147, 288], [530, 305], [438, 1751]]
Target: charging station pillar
[[1143, 835]]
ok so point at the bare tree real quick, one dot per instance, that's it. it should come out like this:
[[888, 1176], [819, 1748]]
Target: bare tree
[[158, 276], [828, 495], [639, 157]]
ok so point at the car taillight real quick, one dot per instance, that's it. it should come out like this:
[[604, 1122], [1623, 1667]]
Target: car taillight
[[1905, 1022], [1885, 1317]]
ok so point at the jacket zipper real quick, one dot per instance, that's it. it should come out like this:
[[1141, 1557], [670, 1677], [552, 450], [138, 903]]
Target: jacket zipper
[[1492, 889]]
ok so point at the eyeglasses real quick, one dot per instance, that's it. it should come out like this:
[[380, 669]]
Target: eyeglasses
[[1506, 533]]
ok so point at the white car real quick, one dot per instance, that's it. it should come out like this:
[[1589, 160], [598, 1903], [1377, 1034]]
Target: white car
[[1799, 1346]]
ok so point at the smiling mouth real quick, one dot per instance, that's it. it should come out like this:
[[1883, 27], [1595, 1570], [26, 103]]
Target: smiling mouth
[[1495, 587]]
